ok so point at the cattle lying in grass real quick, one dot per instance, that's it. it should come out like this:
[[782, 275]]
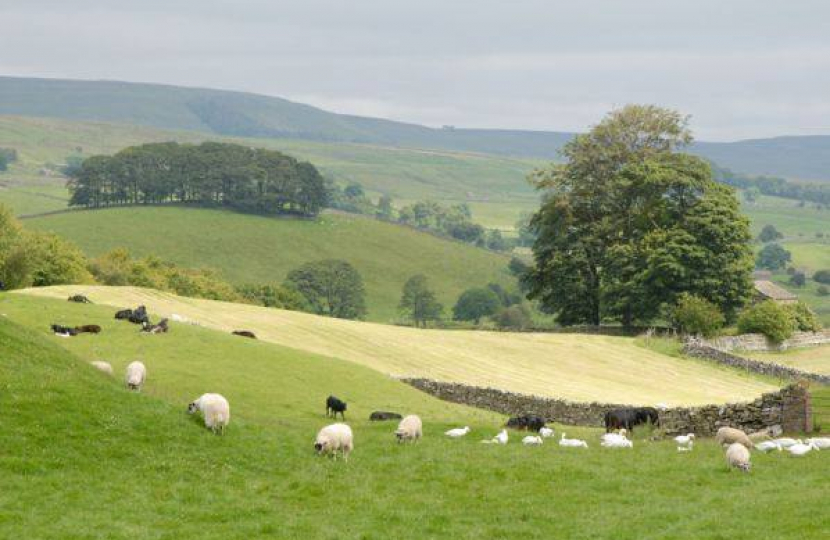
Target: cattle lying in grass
[[244, 333], [64, 330], [529, 422], [139, 316], [629, 417], [88, 329], [160, 328], [79, 298], [124, 314], [334, 406], [382, 416]]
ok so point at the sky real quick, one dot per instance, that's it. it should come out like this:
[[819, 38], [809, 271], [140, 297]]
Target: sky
[[741, 69]]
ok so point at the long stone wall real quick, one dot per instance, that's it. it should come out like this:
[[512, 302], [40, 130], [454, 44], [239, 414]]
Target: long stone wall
[[759, 342], [788, 408]]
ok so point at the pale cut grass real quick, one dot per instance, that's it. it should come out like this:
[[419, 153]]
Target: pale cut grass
[[570, 366], [813, 359]]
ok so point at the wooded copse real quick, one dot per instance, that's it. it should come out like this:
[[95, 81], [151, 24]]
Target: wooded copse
[[215, 174]]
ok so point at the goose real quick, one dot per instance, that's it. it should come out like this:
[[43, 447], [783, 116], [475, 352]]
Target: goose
[[501, 438], [685, 440], [546, 432], [457, 432], [800, 449], [766, 446], [786, 442], [574, 443], [618, 443], [685, 448], [532, 440], [821, 443]]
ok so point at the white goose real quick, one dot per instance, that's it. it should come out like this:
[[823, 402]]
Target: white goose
[[532, 440], [766, 446], [800, 448], [685, 440], [501, 438], [457, 432], [786, 442], [618, 443], [546, 432], [573, 443], [821, 443]]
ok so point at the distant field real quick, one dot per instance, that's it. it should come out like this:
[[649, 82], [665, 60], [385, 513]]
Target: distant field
[[247, 248], [25, 199], [794, 221], [571, 366], [815, 359]]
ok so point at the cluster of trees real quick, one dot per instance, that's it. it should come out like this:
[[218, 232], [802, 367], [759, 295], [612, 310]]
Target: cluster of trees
[[777, 187], [629, 224], [773, 257], [778, 321], [329, 287], [7, 156], [454, 221], [247, 179]]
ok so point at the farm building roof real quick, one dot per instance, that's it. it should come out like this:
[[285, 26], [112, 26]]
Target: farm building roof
[[770, 290]]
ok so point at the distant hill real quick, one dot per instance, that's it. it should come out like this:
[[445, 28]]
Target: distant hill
[[805, 158]]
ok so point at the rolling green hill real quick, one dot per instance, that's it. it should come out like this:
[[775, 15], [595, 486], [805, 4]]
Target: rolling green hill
[[84, 458], [247, 248]]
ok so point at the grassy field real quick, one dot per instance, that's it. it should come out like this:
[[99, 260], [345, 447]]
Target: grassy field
[[247, 248], [815, 359], [84, 458], [572, 366]]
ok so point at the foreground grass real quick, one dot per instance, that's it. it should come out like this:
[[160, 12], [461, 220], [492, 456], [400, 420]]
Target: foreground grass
[[572, 366], [257, 249], [83, 458]]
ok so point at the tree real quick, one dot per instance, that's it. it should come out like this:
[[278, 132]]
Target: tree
[[804, 319], [495, 240], [768, 318], [822, 290], [55, 261], [751, 194], [7, 156], [418, 302], [628, 224], [772, 257], [354, 191], [524, 230], [473, 304], [385, 209], [330, 287], [695, 315], [798, 279], [822, 276], [769, 234], [516, 317]]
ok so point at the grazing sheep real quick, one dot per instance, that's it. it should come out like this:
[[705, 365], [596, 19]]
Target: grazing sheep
[[409, 429], [532, 440], [758, 436], [728, 435], [136, 373], [381, 416], [79, 298], [244, 333], [334, 438], [334, 406], [737, 456], [102, 366], [215, 409], [457, 432], [88, 329]]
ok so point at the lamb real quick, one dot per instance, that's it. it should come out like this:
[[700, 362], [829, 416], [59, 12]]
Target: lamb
[[215, 409], [79, 298], [88, 329], [727, 435], [334, 406], [737, 456], [102, 366], [136, 373], [409, 429], [334, 438]]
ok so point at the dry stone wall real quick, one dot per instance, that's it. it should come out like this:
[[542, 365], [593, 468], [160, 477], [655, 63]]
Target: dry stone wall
[[759, 342]]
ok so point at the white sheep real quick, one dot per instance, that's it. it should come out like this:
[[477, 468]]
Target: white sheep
[[334, 438], [409, 429], [102, 366], [215, 409], [136, 374], [737, 456], [728, 435]]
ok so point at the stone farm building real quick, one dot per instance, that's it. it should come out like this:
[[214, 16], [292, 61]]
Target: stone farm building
[[767, 290]]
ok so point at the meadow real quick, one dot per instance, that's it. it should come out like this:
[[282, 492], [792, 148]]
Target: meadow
[[84, 458], [814, 359], [578, 367]]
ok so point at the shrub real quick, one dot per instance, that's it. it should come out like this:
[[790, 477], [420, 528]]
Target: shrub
[[772, 257], [768, 318], [822, 276], [769, 234], [275, 296], [803, 317], [798, 279], [823, 290], [696, 315], [516, 317]]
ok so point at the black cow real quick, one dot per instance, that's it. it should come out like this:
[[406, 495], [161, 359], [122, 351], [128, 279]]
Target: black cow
[[64, 330], [529, 422], [244, 333], [79, 298], [381, 416], [629, 417], [334, 406], [648, 415], [139, 316], [124, 314]]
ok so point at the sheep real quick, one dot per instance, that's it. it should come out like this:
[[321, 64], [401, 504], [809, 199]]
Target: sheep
[[382, 416], [758, 436], [334, 406], [136, 373], [102, 366], [88, 329], [335, 437], [215, 409], [409, 429], [737, 456], [728, 435], [686, 441]]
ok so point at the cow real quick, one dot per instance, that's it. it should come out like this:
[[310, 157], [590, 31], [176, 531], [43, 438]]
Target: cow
[[79, 298], [381, 416], [529, 422], [139, 316], [124, 314], [244, 333], [629, 417], [88, 329], [334, 406]]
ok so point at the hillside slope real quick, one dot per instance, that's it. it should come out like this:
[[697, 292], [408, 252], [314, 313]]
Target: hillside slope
[[255, 249], [571, 366]]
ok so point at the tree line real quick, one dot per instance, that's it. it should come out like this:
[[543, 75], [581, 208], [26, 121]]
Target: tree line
[[775, 187], [211, 173]]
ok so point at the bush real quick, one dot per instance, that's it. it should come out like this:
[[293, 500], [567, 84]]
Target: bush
[[772, 257], [823, 290], [769, 234], [516, 317], [768, 318], [822, 276], [274, 296], [803, 317], [798, 279], [473, 304], [696, 315]]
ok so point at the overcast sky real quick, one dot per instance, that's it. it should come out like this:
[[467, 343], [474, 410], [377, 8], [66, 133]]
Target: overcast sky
[[741, 68]]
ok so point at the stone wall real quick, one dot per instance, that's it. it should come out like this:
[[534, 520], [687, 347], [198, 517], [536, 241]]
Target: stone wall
[[788, 408], [759, 342], [703, 350]]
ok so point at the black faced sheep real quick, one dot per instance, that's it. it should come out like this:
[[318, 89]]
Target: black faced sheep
[[334, 406]]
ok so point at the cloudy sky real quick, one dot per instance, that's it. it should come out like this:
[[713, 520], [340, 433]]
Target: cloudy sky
[[741, 68]]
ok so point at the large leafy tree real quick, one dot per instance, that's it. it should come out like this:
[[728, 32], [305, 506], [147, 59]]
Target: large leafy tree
[[773, 257], [331, 287], [473, 304], [629, 224], [418, 302]]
